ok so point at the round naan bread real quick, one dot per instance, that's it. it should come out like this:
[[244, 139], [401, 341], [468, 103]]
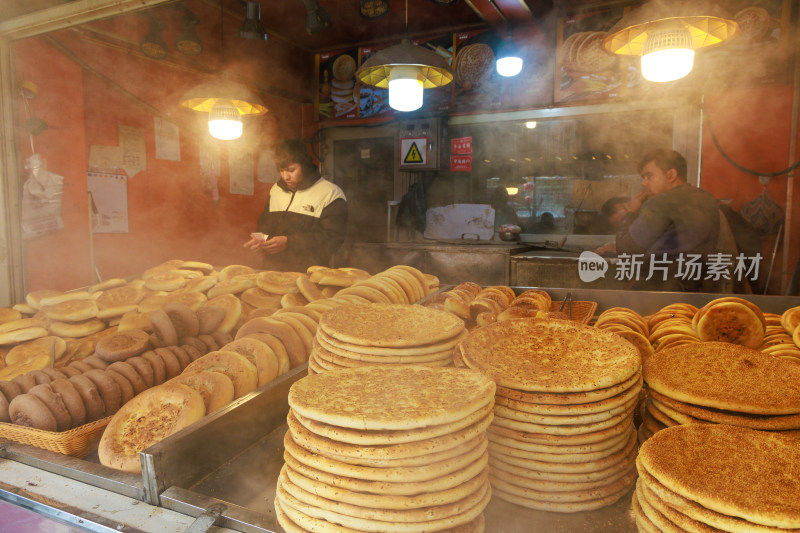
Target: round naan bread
[[540, 355], [385, 398]]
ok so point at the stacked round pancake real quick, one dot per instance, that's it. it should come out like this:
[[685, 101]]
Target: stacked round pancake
[[718, 478], [672, 326], [398, 284], [716, 382], [368, 334], [778, 339], [387, 449], [629, 325], [562, 438]]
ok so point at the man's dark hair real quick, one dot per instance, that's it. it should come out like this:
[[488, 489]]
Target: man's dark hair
[[610, 206], [294, 151], [665, 160]]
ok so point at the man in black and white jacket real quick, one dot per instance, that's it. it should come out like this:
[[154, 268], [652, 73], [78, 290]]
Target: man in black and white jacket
[[305, 217]]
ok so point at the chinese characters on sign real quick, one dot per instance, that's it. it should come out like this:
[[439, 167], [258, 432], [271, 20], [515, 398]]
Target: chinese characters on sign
[[687, 267], [461, 160], [461, 145], [690, 267]]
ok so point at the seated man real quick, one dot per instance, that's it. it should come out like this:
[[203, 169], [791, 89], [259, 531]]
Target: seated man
[[674, 218]]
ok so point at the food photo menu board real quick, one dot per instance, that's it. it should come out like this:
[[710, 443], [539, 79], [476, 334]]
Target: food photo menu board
[[584, 70], [337, 95], [762, 48]]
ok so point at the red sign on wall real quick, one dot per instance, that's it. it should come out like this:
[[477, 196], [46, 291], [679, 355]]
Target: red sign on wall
[[461, 163], [461, 145]]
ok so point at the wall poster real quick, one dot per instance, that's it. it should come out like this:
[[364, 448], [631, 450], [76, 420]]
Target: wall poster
[[109, 196], [584, 70]]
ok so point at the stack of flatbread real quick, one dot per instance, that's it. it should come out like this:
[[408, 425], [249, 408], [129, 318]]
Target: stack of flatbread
[[563, 437], [629, 325], [782, 336], [672, 326], [716, 382], [387, 449], [718, 478], [384, 334]]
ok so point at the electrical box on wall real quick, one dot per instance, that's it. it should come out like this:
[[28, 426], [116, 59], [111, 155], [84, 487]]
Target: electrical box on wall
[[419, 144]]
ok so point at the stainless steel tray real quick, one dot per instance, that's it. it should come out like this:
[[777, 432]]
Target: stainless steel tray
[[229, 464]]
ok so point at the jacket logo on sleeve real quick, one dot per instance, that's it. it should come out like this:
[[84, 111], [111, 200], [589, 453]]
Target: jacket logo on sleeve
[[309, 208]]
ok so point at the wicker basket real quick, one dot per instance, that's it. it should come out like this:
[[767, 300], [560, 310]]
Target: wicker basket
[[581, 311], [77, 442]]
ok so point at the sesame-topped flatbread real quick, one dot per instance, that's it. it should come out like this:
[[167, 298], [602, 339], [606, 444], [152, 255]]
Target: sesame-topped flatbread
[[540, 355], [733, 471], [726, 376], [391, 325], [381, 398]]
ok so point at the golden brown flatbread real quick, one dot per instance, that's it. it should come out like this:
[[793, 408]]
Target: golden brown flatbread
[[147, 419], [726, 376], [382, 398], [390, 325], [540, 355], [746, 473]]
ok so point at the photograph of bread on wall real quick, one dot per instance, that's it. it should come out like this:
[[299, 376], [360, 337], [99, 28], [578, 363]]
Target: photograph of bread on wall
[[337, 95], [584, 70], [757, 53]]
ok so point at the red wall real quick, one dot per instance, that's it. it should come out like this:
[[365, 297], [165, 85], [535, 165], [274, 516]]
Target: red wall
[[753, 127], [171, 213]]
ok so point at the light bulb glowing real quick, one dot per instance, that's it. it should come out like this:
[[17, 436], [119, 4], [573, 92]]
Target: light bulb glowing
[[405, 88], [509, 66], [667, 65], [512, 190], [224, 122], [667, 54], [531, 124]]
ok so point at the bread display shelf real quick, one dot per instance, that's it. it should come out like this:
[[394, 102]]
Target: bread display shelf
[[77, 442], [212, 461]]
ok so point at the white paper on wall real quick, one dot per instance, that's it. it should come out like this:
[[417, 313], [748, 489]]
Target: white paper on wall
[[168, 141], [109, 194]]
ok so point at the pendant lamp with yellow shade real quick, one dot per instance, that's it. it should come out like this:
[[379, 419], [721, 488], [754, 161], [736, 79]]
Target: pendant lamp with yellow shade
[[225, 101], [666, 34], [406, 70]]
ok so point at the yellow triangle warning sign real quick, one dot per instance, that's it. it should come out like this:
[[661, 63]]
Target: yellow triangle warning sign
[[413, 155]]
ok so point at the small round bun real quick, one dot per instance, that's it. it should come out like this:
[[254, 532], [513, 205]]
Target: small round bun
[[122, 345], [184, 319], [157, 365], [29, 411], [95, 408], [10, 389], [144, 368], [55, 403], [125, 386], [171, 362], [25, 382], [129, 373], [108, 389]]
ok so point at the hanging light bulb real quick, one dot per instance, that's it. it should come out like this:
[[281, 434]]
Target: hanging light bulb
[[509, 60], [405, 88], [666, 33], [667, 54], [405, 69], [224, 101], [224, 121]]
